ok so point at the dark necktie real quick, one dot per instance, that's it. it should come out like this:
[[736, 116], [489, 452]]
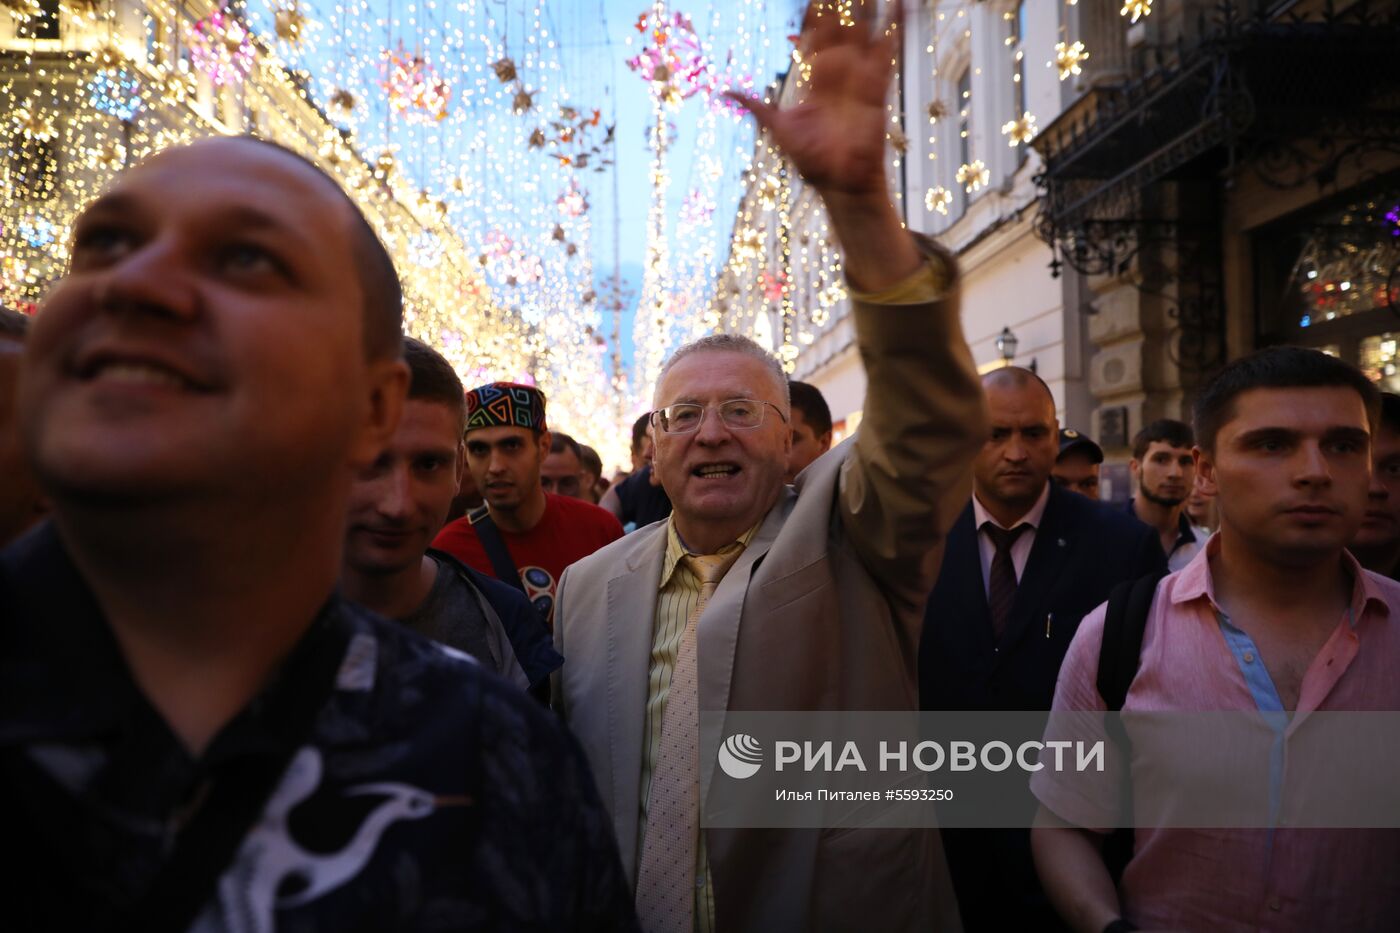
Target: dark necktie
[[1001, 589]]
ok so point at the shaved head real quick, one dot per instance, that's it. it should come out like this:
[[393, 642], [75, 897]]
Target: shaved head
[[1013, 467], [1017, 379]]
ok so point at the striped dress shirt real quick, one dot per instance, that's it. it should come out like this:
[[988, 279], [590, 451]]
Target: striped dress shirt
[[680, 589]]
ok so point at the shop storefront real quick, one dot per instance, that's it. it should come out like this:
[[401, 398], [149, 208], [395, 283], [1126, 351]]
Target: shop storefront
[[1329, 277]]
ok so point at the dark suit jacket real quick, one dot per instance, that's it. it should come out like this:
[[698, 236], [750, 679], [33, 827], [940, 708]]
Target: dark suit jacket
[[1081, 550]]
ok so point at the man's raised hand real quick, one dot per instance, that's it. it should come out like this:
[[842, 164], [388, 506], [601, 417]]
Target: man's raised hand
[[835, 135]]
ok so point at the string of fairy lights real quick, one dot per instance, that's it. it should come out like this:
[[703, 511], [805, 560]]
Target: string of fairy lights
[[453, 125], [782, 281], [481, 161]]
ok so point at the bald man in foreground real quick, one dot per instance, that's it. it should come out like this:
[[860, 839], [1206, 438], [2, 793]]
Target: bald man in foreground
[[196, 730], [1025, 562]]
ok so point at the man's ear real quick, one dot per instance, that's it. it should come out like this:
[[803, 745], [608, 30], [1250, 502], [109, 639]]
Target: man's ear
[[387, 381], [1205, 471], [545, 440], [824, 442], [1135, 468]]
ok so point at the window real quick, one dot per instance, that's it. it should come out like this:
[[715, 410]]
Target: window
[[41, 24], [964, 104], [155, 40], [965, 117], [1017, 41]]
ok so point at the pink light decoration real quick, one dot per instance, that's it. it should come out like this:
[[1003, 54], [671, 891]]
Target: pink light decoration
[[222, 48], [498, 244], [414, 87], [697, 209], [572, 202], [675, 59], [772, 284]]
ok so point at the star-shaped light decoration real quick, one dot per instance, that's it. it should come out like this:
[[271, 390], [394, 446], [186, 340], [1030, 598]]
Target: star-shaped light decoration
[[288, 22], [177, 88], [898, 140], [774, 284], [342, 101], [558, 233], [937, 111], [222, 48], [973, 175], [414, 88], [1020, 131], [112, 156], [505, 70], [537, 139], [749, 244], [34, 123], [768, 192], [384, 165], [937, 199], [572, 202], [1136, 8], [523, 102], [109, 57], [1069, 57]]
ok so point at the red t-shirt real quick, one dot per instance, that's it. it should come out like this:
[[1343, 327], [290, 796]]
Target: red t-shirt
[[569, 531]]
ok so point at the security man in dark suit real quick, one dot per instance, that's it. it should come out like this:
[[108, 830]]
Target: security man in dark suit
[[1024, 563]]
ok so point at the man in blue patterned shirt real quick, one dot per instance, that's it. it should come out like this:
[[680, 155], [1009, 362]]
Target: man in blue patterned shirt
[[196, 731]]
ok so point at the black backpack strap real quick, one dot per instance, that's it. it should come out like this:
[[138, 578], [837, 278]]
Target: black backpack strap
[[207, 845], [1120, 655], [1124, 623], [502, 564]]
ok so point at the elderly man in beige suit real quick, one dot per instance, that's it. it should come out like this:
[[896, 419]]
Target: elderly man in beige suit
[[812, 595]]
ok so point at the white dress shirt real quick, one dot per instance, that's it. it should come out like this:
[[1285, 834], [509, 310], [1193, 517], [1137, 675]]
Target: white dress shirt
[[1020, 549]]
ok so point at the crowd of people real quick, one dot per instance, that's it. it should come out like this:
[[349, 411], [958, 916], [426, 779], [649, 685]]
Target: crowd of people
[[298, 632]]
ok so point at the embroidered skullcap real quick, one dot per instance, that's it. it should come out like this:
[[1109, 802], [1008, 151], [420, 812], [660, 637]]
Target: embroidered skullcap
[[505, 405]]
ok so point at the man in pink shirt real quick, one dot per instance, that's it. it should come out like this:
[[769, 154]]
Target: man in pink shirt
[[1272, 615]]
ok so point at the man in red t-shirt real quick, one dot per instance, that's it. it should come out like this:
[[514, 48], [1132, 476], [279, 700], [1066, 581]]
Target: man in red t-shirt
[[535, 532]]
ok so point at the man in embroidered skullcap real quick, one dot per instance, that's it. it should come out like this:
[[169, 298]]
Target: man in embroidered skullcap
[[521, 534]]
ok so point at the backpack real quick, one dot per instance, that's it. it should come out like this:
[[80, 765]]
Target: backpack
[[1120, 655]]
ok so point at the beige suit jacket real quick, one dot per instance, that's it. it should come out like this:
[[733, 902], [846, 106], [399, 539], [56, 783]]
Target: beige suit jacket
[[822, 611]]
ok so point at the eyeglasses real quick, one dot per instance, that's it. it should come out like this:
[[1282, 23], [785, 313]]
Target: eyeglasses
[[739, 414]]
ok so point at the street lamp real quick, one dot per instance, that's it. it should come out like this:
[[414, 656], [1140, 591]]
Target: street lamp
[[1006, 346]]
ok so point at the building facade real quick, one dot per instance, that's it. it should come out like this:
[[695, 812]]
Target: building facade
[[1136, 192]]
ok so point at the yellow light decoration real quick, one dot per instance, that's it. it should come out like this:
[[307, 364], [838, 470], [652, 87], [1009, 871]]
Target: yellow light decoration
[[768, 192], [973, 175], [937, 199], [289, 22], [1020, 131], [431, 189], [505, 70], [1069, 58], [1136, 8]]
